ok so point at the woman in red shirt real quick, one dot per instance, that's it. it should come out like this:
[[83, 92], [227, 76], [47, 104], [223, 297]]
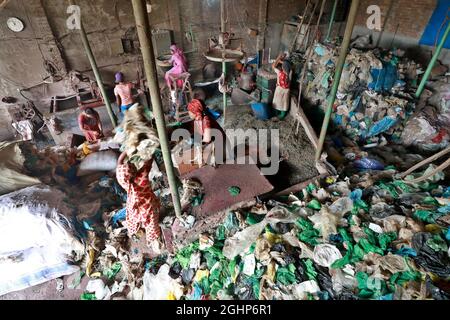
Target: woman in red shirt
[[204, 125], [281, 98], [90, 124]]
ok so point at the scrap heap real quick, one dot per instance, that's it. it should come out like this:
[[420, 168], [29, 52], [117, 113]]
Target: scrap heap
[[369, 236], [375, 99]]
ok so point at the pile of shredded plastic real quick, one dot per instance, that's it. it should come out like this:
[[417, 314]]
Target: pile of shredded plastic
[[368, 236]]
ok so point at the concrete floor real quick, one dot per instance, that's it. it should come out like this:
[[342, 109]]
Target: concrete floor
[[47, 291]]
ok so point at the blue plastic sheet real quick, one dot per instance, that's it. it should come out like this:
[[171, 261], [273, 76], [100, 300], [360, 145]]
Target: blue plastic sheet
[[406, 251], [445, 209], [119, 216], [389, 296], [87, 226], [381, 126], [319, 50], [213, 114], [338, 119], [356, 195], [384, 79], [446, 193], [368, 164], [196, 292]]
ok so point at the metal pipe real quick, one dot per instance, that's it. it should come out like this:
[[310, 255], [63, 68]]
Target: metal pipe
[[309, 23], [262, 21], [98, 77], [224, 64], [337, 74], [148, 55], [224, 71], [432, 62], [299, 27], [222, 16], [333, 13]]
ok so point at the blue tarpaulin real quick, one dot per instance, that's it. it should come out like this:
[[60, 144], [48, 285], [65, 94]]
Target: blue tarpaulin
[[436, 27]]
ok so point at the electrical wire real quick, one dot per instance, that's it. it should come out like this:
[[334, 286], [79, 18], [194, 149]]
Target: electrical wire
[[440, 28]]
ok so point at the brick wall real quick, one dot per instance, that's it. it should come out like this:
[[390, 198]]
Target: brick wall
[[411, 16]]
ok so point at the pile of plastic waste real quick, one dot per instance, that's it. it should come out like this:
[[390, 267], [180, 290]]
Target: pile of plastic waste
[[367, 236], [375, 99]]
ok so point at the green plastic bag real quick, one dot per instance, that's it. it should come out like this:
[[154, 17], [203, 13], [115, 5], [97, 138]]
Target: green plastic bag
[[254, 218], [401, 278], [197, 200], [389, 188], [314, 204], [231, 222], [220, 233], [430, 201], [310, 270], [402, 186], [310, 188], [426, 216], [88, 296], [385, 239], [286, 275], [111, 273], [370, 287], [437, 243], [215, 287], [183, 256], [308, 233], [234, 191]]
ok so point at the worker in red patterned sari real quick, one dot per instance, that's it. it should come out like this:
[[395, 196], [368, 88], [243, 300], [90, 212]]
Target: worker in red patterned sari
[[142, 204], [90, 125]]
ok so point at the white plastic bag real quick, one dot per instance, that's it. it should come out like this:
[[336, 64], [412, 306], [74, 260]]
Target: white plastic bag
[[98, 161], [243, 239], [326, 254]]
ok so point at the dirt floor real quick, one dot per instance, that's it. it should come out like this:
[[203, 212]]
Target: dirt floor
[[296, 151], [48, 291]]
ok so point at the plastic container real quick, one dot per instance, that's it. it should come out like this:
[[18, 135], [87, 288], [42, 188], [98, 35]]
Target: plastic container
[[261, 111], [214, 114]]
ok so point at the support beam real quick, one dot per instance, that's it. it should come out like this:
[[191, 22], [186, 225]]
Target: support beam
[[432, 62], [224, 64], [333, 14], [262, 24], [148, 55], [222, 16], [337, 74], [98, 77]]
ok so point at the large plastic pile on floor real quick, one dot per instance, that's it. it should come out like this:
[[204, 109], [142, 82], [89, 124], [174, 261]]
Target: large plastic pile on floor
[[375, 100], [365, 236]]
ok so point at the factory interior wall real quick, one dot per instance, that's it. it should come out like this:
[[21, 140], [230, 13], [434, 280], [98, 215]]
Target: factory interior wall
[[403, 23], [46, 42]]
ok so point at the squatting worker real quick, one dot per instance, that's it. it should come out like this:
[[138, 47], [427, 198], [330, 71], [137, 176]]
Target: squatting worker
[[90, 124], [179, 63], [142, 208]]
